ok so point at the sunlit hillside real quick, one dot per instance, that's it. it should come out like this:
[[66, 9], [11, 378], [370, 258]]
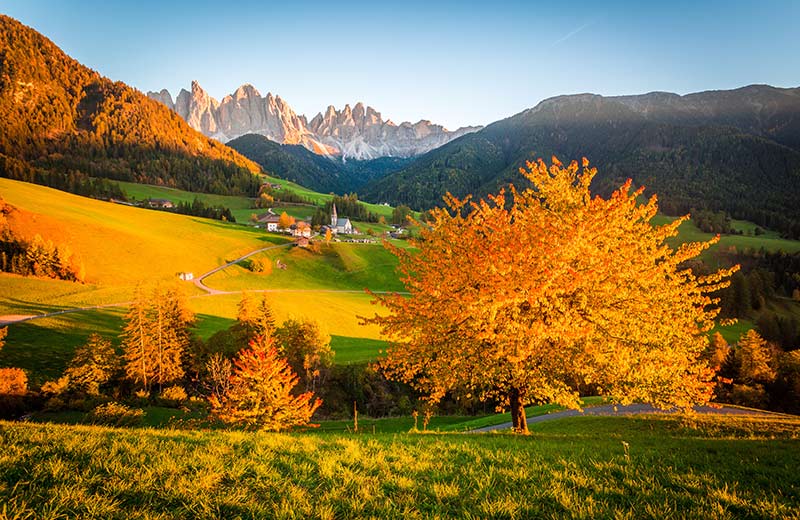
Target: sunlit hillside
[[122, 245]]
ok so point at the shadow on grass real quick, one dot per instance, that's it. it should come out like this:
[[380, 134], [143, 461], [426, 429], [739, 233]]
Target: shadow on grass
[[44, 347], [351, 350], [207, 324]]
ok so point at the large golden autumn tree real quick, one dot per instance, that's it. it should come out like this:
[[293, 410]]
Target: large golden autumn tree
[[519, 300]]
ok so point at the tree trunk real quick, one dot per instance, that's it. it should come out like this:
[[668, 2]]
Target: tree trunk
[[518, 420]]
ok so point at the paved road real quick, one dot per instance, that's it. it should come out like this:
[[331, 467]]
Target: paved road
[[199, 280], [617, 410]]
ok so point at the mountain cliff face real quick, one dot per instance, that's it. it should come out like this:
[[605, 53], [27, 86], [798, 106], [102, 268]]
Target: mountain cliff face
[[359, 132], [736, 150]]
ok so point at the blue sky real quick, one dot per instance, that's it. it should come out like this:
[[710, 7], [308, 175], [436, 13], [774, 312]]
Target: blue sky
[[453, 62]]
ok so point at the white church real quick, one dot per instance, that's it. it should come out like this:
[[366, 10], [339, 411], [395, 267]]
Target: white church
[[341, 225]]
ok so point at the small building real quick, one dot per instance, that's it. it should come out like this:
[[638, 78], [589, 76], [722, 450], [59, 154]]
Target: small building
[[187, 277], [302, 242], [341, 225], [270, 221], [301, 229], [160, 203]]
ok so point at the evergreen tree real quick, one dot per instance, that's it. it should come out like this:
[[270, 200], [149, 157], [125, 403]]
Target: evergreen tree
[[157, 334], [754, 359], [260, 393], [138, 341], [254, 318], [717, 352]]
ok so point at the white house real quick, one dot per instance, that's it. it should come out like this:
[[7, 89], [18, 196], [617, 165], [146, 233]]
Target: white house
[[270, 220]]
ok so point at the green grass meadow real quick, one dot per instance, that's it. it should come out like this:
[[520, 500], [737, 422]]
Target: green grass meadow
[[588, 467]]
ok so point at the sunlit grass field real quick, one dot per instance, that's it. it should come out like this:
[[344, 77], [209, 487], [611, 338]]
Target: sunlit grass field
[[342, 266], [589, 467], [122, 245]]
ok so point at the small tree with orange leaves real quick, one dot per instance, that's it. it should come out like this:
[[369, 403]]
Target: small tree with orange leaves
[[519, 300], [260, 391], [285, 221]]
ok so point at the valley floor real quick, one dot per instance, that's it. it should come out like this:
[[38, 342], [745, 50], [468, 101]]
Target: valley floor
[[589, 467]]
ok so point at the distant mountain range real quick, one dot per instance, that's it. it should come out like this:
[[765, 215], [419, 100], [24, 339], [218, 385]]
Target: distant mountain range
[[735, 150], [320, 173], [359, 132], [64, 125]]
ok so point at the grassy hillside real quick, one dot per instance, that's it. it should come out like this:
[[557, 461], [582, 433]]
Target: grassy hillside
[[591, 467], [122, 245], [241, 206], [341, 266], [769, 241]]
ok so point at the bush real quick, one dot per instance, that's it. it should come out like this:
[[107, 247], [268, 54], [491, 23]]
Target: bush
[[116, 414], [258, 266], [57, 387], [13, 381], [172, 396], [753, 396], [54, 404]]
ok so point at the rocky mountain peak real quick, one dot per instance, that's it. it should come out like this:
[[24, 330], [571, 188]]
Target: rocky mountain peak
[[354, 132]]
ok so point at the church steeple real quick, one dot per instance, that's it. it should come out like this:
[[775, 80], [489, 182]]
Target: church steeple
[[334, 216]]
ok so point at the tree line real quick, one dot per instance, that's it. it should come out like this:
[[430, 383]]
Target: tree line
[[254, 374], [755, 372], [35, 256]]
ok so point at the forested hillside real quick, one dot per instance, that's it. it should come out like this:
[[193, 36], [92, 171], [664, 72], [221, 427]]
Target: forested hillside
[[728, 158], [297, 164], [63, 123]]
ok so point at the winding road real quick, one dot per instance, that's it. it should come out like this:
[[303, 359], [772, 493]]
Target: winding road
[[610, 410], [198, 282]]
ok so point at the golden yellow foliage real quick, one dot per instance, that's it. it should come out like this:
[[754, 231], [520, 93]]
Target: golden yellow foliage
[[523, 299]]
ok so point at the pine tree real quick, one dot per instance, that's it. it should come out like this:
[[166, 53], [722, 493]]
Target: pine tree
[[138, 342], [156, 336], [717, 352], [754, 359], [260, 393], [307, 350], [254, 318]]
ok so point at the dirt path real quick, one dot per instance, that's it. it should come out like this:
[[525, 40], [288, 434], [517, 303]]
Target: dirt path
[[618, 410]]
